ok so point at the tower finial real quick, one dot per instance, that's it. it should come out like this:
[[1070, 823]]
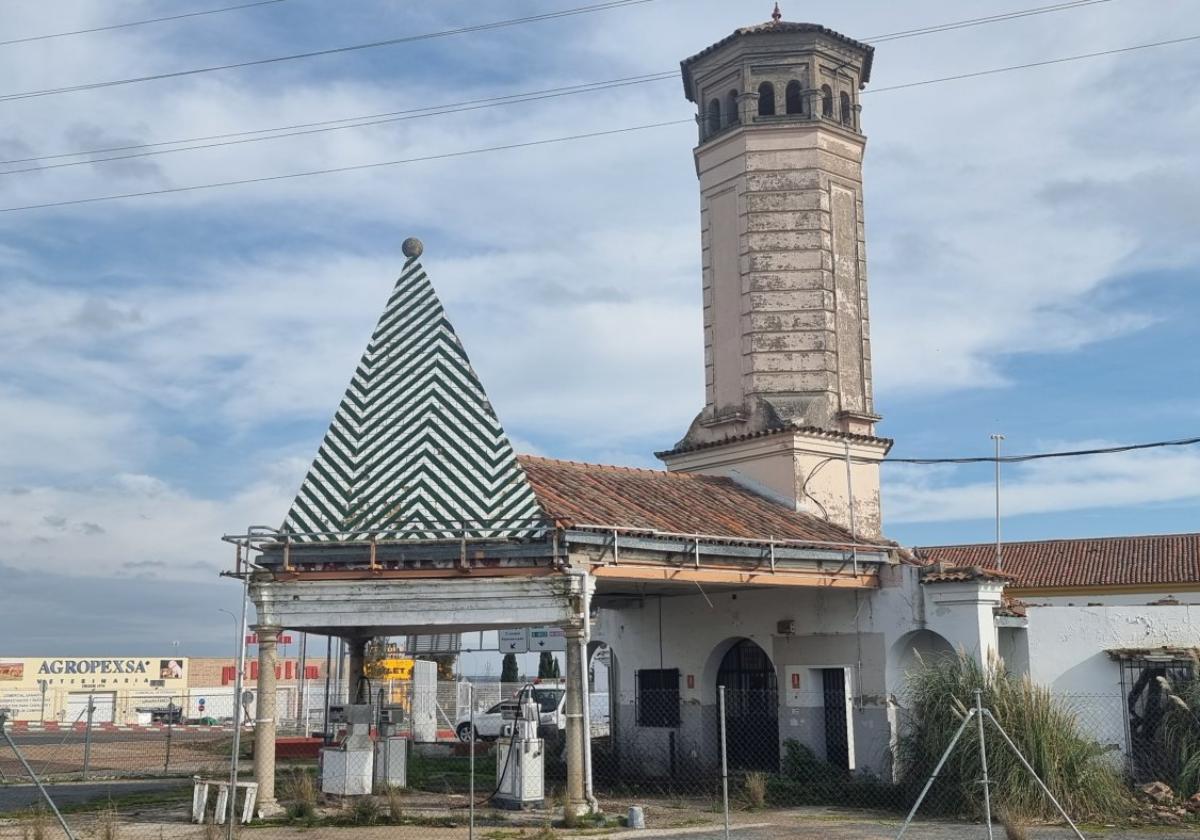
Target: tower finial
[[777, 15]]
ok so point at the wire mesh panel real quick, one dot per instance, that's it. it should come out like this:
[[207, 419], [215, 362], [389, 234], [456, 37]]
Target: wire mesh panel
[[795, 763]]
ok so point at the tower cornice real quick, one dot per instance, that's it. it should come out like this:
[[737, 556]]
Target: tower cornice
[[776, 28]]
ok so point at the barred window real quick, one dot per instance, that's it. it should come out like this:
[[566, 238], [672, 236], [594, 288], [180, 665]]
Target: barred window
[[658, 697]]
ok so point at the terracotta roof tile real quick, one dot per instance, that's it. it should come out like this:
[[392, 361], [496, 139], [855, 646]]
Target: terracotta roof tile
[[957, 574], [1105, 561], [685, 503]]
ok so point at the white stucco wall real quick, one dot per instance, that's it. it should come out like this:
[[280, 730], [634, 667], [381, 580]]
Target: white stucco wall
[[834, 628], [1068, 640], [1067, 644]]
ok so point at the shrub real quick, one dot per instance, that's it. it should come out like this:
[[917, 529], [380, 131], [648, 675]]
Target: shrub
[[1073, 766], [755, 785], [300, 794], [365, 811]]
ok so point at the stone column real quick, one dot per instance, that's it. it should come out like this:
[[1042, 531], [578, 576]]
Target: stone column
[[357, 676], [576, 803], [264, 722]]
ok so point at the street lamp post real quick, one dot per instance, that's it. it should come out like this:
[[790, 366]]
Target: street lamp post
[[999, 556]]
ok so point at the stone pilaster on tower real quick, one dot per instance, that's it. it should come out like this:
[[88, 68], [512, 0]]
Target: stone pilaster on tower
[[415, 447]]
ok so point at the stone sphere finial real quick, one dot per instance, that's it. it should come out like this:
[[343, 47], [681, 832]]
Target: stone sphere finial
[[777, 15], [412, 247]]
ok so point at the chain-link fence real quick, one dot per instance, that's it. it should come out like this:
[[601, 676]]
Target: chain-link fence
[[444, 763]]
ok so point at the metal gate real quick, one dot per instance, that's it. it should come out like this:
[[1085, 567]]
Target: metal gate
[[104, 703], [751, 707]]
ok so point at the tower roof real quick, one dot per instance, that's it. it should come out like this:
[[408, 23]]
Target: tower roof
[[777, 27], [415, 445]]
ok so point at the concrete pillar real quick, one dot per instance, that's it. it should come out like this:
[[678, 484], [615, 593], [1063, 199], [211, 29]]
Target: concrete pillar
[[357, 676], [264, 722], [576, 803], [963, 613]]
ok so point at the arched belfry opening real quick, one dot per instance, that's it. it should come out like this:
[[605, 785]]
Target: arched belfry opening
[[751, 706], [714, 117], [766, 100], [795, 102]]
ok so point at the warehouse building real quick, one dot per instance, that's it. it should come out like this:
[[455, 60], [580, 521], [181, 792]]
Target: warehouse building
[[144, 690]]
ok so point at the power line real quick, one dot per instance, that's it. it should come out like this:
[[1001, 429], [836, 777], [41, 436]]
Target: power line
[[980, 21], [1075, 453], [582, 87], [328, 125], [482, 150], [470, 105], [910, 33], [580, 10], [1063, 60], [139, 22], [353, 168]]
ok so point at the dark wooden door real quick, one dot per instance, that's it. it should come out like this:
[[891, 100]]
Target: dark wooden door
[[837, 744]]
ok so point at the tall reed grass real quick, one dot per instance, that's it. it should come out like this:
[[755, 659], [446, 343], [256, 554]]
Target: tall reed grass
[[1082, 775]]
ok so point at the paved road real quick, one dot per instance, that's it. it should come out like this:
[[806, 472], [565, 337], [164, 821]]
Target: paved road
[[18, 797], [100, 736]]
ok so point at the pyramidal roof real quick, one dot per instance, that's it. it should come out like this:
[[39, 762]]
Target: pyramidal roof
[[415, 448]]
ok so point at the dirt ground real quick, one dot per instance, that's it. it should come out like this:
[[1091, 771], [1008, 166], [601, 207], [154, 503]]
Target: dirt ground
[[170, 822]]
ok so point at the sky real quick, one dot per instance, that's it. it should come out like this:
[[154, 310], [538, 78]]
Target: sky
[[169, 363]]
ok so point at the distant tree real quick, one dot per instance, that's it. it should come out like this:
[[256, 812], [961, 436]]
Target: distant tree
[[547, 666], [508, 670], [446, 664]]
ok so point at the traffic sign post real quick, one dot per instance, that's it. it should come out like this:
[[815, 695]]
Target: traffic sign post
[[547, 638], [514, 641]]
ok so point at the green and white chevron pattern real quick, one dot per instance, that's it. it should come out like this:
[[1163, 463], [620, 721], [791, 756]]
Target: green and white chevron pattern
[[415, 446]]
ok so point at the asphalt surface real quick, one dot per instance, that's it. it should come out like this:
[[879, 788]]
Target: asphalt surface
[[20, 797], [101, 736]]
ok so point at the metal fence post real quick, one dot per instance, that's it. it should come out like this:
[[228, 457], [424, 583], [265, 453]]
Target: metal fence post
[[87, 737], [170, 723], [987, 785], [471, 752], [724, 759]]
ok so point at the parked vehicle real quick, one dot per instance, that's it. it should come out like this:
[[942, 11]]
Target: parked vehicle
[[496, 721]]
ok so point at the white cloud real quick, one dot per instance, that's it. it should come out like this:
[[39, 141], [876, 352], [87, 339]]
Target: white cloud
[[137, 524], [1115, 481], [998, 211]]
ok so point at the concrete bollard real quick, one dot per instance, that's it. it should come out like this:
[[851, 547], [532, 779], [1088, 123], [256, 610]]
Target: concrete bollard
[[636, 818]]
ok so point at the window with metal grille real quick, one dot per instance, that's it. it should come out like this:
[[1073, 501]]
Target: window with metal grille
[[658, 697]]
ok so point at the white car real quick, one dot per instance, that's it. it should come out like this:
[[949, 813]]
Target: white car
[[493, 723]]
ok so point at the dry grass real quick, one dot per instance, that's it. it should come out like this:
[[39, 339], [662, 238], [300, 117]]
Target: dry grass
[[395, 806], [299, 791], [38, 825], [108, 823], [754, 789], [1013, 829]]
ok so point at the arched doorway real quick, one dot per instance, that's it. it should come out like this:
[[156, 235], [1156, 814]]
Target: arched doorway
[[751, 707]]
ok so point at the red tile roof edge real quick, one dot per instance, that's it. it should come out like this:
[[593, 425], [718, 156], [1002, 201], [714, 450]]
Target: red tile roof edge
[[680, 449]]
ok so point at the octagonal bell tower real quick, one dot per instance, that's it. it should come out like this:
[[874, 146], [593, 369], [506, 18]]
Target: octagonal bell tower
[[786, 338]]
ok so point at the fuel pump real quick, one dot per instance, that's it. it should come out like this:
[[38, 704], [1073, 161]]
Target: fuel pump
[[346, 768], [391, 751], [520, 761]]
